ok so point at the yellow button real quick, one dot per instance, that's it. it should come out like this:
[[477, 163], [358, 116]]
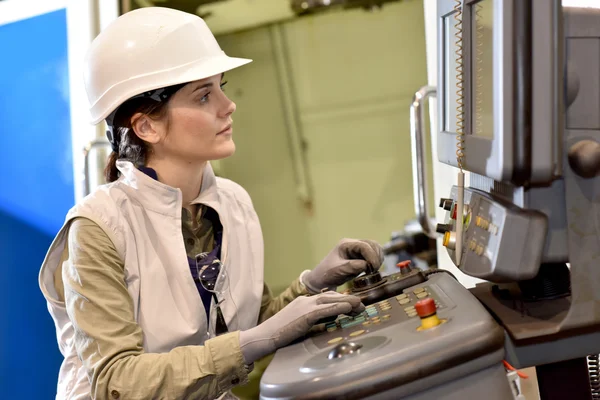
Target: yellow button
[[478, 221], [404, 301], [402, 296], [472, 245], [479, 250], [419, 290], [357, 333], [422, 294], [386, 317], [446, 239], [366, 323], [376, 321], [333, 328], [335, 340], [409, 308]]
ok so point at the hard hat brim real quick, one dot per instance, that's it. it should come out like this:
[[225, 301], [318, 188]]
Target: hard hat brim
[[199, 69]]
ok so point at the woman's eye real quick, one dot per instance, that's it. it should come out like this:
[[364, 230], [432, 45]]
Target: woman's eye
[[204, 99]]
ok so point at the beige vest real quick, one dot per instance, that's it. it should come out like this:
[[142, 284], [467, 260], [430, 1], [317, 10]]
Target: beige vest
[[142, 217]]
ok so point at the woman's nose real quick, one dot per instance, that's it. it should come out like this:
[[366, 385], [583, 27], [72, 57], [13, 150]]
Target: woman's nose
[[229, 107]]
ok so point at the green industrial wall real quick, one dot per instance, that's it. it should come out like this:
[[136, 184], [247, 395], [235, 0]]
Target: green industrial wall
[[349, 87]]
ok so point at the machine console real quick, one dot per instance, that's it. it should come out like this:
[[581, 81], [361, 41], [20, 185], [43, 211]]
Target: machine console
[[378, 316], [426, 341], [501, 241]]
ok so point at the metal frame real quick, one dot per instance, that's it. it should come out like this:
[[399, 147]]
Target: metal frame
[[417, 140]]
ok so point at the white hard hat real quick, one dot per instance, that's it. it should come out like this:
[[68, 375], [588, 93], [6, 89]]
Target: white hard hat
[[146, 49]]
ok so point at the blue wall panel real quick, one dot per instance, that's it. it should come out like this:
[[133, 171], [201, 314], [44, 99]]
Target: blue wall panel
[[36, 191], [35, 156]]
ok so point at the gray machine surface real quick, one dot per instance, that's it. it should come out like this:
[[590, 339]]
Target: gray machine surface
[[520, 109], [381, 354]]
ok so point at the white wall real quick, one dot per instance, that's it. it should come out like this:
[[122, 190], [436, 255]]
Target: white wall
[[444, 175]]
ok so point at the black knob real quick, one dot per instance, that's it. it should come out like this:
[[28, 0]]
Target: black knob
[[443, 228], [366, 280], [446, 204]]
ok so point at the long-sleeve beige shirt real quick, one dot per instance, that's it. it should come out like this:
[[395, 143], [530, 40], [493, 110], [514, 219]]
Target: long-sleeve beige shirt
[[109, 342]]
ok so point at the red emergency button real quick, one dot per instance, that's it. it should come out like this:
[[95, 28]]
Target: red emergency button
[[426, 307], [404, 267], [427, 312]]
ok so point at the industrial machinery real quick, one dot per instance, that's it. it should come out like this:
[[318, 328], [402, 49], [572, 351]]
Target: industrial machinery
[[409, 244], [519, 109]]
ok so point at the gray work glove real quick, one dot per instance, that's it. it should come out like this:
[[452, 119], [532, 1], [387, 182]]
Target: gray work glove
[[346, 261], [294, 321]]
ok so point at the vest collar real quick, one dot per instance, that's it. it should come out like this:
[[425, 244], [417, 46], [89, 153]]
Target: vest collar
[[155, 195]]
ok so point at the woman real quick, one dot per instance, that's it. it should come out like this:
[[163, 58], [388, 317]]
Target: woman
[[155, 282]]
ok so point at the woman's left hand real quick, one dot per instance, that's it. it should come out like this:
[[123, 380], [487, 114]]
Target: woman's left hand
[[347, 260]]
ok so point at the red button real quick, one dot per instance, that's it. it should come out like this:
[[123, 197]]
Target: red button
[[404, 264], [425, 307]]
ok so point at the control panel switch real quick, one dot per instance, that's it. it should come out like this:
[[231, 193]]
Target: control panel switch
[[446, 204], [427, 311], [449, 240], [404, 266], [443, 228]]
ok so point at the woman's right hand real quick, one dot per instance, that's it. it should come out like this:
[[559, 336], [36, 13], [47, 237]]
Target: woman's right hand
[[293, 321]]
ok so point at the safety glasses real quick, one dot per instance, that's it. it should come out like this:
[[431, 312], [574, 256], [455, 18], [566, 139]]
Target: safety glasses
[[213, 278]]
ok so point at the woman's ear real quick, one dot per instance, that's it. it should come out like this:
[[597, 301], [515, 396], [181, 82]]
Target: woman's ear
[[145, 128]]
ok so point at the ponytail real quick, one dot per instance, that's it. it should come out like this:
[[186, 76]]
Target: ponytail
[[111, 173]]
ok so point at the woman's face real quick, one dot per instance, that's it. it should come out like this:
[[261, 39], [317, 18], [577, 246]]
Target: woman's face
[[197, 126]]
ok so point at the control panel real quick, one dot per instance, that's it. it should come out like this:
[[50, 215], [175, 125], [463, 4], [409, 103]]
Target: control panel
[[431, 340], [378, 316], [501, 242], [372, 287]]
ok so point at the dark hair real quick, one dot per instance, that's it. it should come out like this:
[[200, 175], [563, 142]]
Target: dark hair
[[131, 147]]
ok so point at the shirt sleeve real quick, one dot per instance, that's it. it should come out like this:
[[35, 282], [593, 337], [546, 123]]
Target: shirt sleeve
[[109, 342], [272, 305]]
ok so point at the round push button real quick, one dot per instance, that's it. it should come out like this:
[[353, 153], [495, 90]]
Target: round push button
[[425, 307]]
